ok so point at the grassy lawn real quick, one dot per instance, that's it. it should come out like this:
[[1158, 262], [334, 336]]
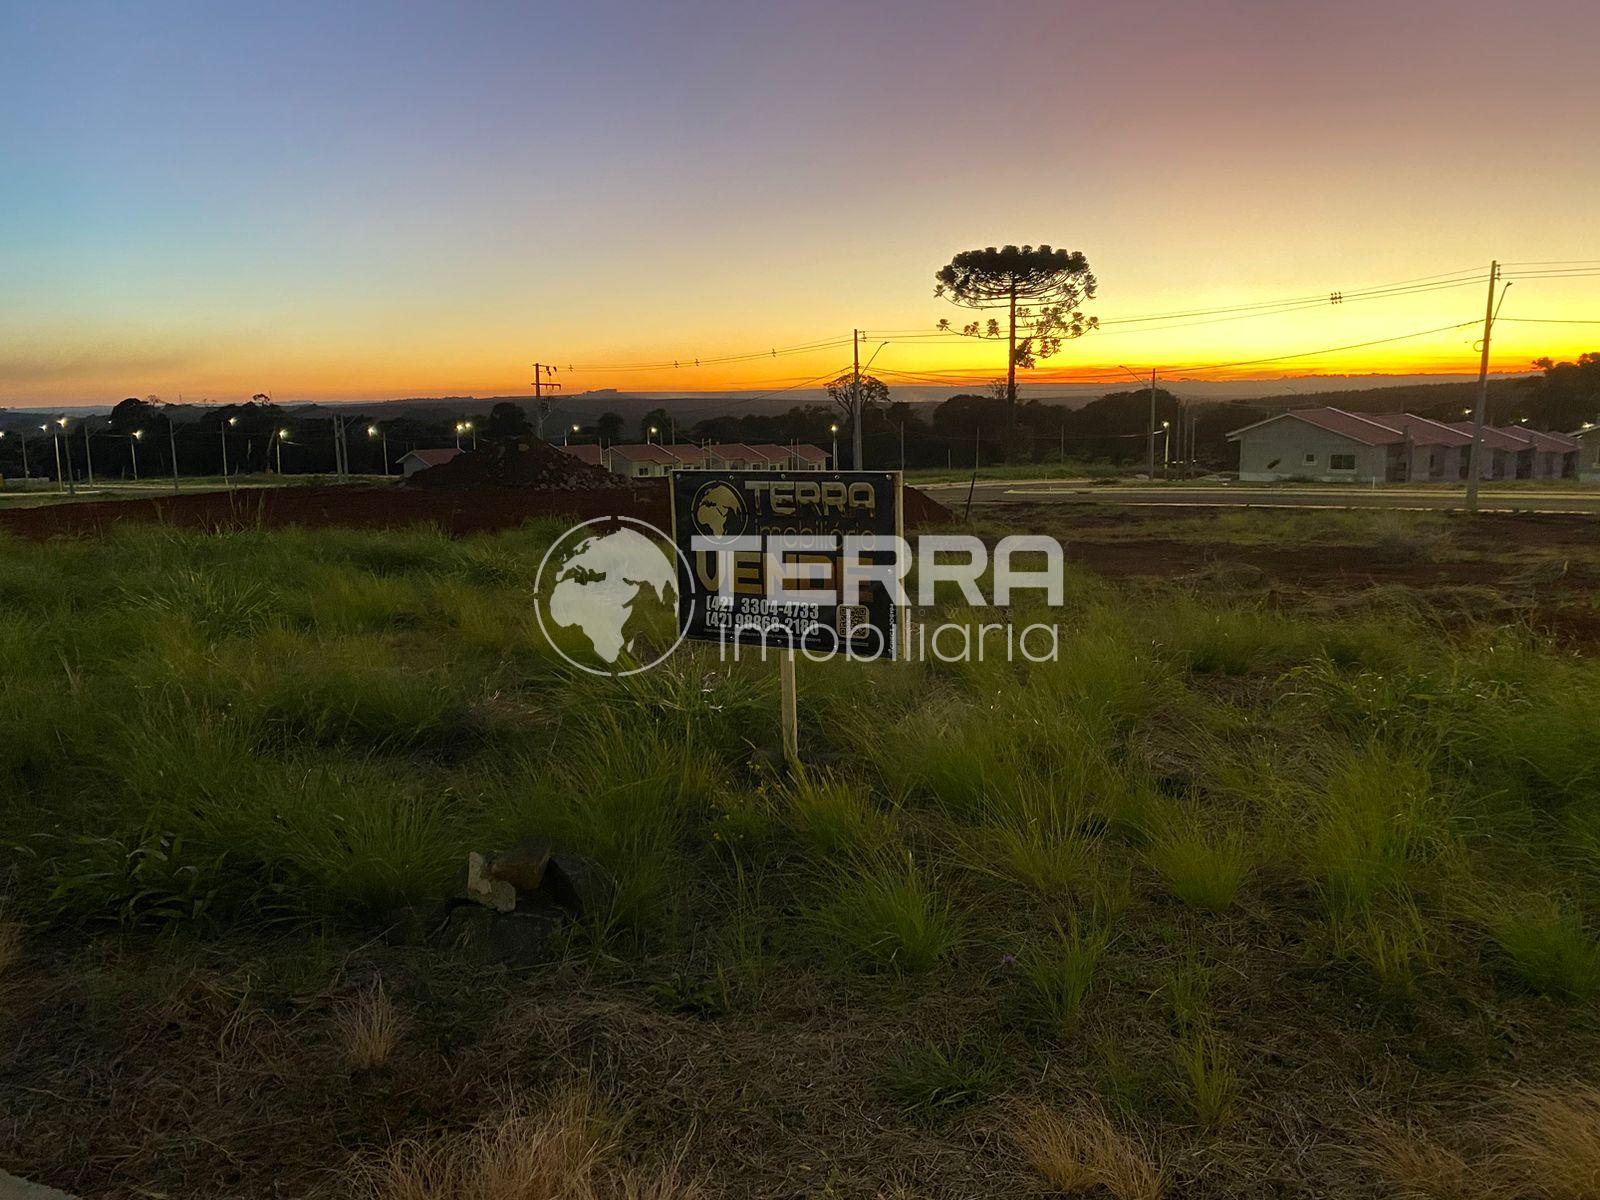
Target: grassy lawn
[[1235, 899]]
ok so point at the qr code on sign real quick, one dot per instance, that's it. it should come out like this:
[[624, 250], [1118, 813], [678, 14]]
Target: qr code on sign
[[854, 621]]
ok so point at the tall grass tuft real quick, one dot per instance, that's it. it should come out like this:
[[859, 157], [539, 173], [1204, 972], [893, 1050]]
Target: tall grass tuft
[[1203, 868], [1082, 1153], [1037, 833], [1416, 1166], [1057, 976], [1209, 1083], [1550, 1143], [369, 1028], [1550, 950], [886, 915], [1395, 944], [933, 1079], [1378, 818], [833, 818]]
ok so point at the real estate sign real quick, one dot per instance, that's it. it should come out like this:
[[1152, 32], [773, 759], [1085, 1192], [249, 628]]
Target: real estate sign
[[792, 560]]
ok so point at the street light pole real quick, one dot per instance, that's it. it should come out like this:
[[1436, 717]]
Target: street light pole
[[88, 453], [56, 443], [375, 431], [834, 429], [66, 451], [133, 448]]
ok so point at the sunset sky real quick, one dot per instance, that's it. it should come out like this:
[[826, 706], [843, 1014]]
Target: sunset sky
[[365, 200]]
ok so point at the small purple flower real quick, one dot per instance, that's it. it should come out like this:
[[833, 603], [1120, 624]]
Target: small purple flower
[[1008, 960]]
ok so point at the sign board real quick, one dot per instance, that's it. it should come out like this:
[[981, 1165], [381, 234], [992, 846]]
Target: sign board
[[733, 529]]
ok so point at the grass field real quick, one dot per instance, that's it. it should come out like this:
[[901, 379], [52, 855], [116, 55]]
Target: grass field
[[1242, 897]]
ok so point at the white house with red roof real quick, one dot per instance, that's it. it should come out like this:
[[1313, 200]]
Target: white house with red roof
[[1328, 445]]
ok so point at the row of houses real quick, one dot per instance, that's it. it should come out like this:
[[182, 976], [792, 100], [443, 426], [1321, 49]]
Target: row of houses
[[642, 461], [1330, 445]]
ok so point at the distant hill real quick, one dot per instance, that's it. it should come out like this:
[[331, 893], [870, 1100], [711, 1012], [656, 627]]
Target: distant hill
[[1441, 401]]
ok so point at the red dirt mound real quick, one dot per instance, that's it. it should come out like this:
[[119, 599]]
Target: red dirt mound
[[515, 463]]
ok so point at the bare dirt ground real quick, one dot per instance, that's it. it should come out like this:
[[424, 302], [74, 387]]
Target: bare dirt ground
[[458, 512], [1541, 569]]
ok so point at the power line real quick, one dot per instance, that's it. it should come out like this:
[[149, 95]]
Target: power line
[[1552, 320], [1251, 362]]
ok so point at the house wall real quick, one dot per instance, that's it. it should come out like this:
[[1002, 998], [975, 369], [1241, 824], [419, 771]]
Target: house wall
[[1278, 450], [1436, 463], [1589, 456]]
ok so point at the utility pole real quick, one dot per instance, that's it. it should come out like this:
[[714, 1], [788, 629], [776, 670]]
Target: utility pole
[[222, 426], [1476, 457], [88, 454], [172, 439], [133, 449], [540, 408], [25, 483], [855, 402], [1150, 451]]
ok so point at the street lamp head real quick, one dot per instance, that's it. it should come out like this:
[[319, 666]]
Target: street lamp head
[[283, 433], [574, 429], [652, 429], [233, 420], [137, 434], [466, 424], [1166, 424], [61, 421], [372, 431], [834, 428]]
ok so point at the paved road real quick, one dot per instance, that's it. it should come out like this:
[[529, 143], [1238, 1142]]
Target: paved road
[[1575, 499]]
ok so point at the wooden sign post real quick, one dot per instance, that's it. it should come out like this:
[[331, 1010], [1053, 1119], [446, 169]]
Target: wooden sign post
[[730, 521], [788, 709]]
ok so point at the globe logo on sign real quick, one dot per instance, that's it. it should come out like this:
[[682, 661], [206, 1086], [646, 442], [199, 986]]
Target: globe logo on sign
[[607, 593], [719, 511]]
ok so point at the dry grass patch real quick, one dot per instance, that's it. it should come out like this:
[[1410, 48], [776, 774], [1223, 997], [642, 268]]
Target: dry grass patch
[[1079, 1152], [369, 1029], [556, 1152], [1418, 1168], [1551, 1143]]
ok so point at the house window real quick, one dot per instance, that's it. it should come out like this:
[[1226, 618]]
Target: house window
[[1310, 460], [1341, 462]]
